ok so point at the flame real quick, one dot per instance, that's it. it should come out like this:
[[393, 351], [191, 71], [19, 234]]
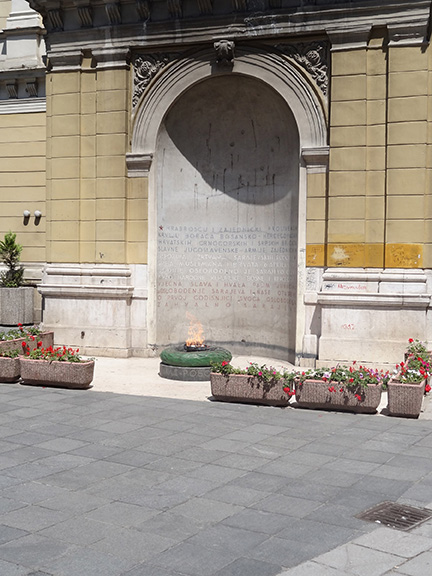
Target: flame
[[195, 332]]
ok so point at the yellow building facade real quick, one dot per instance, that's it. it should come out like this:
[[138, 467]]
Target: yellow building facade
[[150, 216]]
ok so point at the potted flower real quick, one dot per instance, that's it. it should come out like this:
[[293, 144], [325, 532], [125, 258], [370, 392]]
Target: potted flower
[[408, 386], [354, 389], [9, 366], [13, 339], [417, 348], [254, 384], [62, 367], [16, 299]]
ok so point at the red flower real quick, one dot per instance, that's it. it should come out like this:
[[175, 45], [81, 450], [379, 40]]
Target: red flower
[[427, 388], [224, 363], [410, 340], [23, 344], [39, 344], [287, 389], [358, 397]]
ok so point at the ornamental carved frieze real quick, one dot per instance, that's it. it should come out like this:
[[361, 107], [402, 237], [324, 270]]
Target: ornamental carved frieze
[[313, 57], [145, 68]]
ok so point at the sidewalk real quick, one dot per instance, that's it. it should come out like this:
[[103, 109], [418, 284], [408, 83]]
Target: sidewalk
[[141, 476]]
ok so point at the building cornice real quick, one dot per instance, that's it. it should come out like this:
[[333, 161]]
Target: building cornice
[[161, 21]]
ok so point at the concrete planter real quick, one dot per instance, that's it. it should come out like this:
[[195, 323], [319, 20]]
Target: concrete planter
[[248, 389], [16, 305], [47, 339], [336, 396], [405, 399], [77, 375], [9, 369]]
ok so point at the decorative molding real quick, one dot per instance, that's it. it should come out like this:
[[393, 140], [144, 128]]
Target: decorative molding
[[313, 57], [113, 12], [316, 159], [109, 58], [85, 14], [143, 9], [205, 6], [21, 106], [145, 69], [31, 88], [12, 89], [55, 19], [224, 52], [138, 165], [175, 8], [239, 5]]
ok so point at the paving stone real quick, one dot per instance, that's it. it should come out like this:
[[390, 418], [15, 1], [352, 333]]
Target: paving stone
[[33, 518], [205, 510], [359, 560], [172, 525], [291, 506], [259, 521], [194, 560], [396, 542], [236, 495], [249, 566], [12, 569], [31, 492], [132, 544], [419, 566], [88, 562], [122, 514], [33, 551], [80, 530]]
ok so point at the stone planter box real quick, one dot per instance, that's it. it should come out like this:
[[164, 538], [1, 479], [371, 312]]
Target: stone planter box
[[16, 305], [77, 375], [47, 339], [9, 369], [248, 389], [405, 399], [316, 394]]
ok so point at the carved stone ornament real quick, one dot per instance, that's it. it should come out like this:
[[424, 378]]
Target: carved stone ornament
[[55, 19], [205, 6], [175, 8], [239, 5], [313, 57], [12, 89], [86, 16], [145, 69], [143, 9], [31, 88], [224, 52], [112, 10]]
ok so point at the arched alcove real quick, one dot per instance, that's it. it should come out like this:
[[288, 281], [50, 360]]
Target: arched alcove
[[227, 187]]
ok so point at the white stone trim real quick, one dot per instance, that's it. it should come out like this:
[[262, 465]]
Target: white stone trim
[[23, 106]]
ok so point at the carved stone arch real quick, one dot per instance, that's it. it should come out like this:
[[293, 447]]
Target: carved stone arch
[[300, 93]]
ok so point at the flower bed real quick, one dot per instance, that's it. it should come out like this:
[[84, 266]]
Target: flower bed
[[9, 366], [252, 385], [340, 388], [60, 367], [15, 339]]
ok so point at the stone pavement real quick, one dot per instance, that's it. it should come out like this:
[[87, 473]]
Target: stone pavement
[[96, 483]]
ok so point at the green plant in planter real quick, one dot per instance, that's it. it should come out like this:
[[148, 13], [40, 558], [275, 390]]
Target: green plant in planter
[[265, 374], [10, 253], [9, 353]]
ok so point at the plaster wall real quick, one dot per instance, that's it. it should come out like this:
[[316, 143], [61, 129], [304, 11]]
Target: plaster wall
[[4, 12], [22, 177]]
